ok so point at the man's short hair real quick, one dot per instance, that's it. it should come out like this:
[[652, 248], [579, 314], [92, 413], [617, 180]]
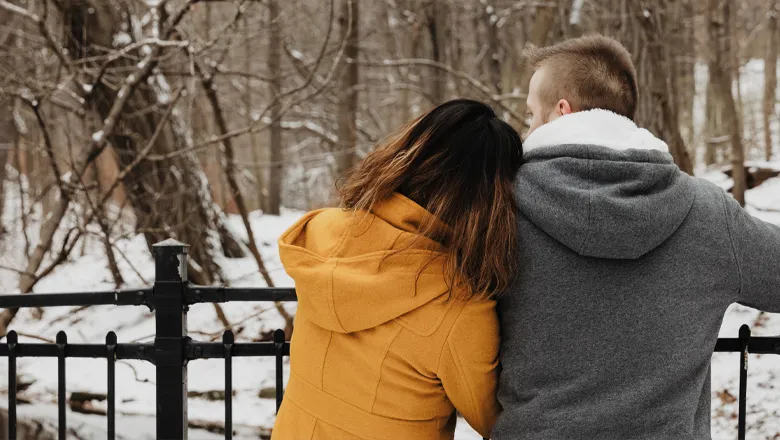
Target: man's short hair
[[590, 72]]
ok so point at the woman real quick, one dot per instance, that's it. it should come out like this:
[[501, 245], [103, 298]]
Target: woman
[[396, 328]]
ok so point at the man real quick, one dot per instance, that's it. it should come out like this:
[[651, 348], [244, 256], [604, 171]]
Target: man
[[627, 265]]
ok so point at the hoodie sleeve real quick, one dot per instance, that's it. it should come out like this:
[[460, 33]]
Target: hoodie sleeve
[[468, 367], [756, 246]]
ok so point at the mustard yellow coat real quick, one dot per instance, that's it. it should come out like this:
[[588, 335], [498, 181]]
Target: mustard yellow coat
[[378, 351]]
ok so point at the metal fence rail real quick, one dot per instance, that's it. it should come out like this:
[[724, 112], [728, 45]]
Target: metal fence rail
[[172, 349]]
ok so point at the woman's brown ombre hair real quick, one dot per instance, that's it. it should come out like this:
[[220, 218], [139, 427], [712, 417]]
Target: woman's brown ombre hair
[[457, 161]]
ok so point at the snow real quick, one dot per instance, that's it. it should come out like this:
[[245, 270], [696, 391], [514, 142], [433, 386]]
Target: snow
[[98, 136], [576, 10], [122, 39]]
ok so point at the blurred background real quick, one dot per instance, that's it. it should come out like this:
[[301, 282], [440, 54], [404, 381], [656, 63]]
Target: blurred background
[[218, 122]]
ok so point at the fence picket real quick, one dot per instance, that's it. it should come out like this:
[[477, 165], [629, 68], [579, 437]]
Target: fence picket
[[228, 339], [111, 385], [62, 425], [744, 340], [13, 340]]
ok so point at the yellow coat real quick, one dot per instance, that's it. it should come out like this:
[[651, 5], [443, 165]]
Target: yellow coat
[[378, 351]]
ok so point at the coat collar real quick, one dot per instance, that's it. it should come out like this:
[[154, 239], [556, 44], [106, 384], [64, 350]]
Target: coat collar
[[594, 127]]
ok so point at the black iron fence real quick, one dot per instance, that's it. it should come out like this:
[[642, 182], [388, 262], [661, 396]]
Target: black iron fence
[[172, 349]]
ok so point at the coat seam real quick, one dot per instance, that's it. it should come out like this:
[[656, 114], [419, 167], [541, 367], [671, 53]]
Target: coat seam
[[386, 351], [331, 301], [447, 338], [733, 246], [464, 377], [357, 258], [590, 203], [325, 361]]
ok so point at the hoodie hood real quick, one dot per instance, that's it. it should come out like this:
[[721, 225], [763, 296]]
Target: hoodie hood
[[601, 186], [356, 271]]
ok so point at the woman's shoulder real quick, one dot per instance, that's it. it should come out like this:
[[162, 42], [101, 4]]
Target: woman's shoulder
[[446, 312]]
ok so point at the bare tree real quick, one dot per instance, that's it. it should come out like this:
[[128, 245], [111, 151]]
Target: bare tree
[[666, 123], [274, 198], [166, 203], [719, 18], [436, 19], [770, 75], [538, 36], [7, 144], [254, 145], [347, 105]]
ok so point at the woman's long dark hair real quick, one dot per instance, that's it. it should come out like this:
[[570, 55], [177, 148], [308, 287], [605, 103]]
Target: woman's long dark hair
[[457, 161]]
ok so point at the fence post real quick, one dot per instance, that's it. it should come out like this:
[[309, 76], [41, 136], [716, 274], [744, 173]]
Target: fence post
[[170, 261]]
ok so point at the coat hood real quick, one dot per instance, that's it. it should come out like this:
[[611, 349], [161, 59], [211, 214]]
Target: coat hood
[[601, 186], [357, 270]]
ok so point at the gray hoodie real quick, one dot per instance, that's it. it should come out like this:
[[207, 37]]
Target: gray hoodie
[[627, 266]]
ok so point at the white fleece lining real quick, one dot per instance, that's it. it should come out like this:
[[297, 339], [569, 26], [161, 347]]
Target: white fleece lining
[[594, 127]]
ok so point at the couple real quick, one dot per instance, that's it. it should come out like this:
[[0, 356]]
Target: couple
[[600, 270]]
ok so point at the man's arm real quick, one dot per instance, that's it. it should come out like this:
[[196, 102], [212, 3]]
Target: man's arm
[[756, 246]]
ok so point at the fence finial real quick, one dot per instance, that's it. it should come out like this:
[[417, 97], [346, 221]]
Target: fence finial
[[170, 258]]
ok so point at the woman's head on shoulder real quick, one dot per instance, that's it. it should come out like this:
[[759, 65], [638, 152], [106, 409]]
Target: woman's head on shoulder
[[458, 162]]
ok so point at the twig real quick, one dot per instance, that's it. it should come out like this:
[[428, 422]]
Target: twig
[[20, 272], [411, 62], [41, 23], [98, 144], [230, 170], [135, 372], [31, 336], [127, 49], [145, 151], [253, 127]]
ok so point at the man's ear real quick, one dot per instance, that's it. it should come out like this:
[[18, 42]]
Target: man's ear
[[563, 107]]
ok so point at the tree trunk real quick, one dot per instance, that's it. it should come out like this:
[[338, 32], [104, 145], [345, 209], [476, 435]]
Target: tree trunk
[[683, 62], [666, 122], [437, 28], [8, 139], [720, 71], [496, 53], [170, 197], [229, 164], [713, 128], [274, 198], [105, 226], [254, 145], [537, 36], [770, 77], [9, 136], [346, 154]]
